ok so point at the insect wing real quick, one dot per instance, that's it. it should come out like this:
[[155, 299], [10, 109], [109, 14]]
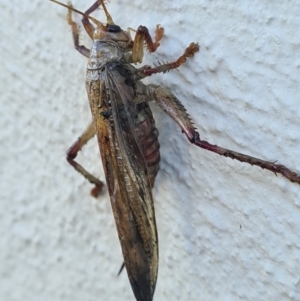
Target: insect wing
[[129, 185]]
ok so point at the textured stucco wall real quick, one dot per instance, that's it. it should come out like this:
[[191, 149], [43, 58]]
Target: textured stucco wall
[[227, 231]]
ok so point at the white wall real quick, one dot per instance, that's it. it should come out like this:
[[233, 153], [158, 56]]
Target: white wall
[[227, 231]]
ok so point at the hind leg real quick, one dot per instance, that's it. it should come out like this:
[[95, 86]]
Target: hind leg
[[174, 108]]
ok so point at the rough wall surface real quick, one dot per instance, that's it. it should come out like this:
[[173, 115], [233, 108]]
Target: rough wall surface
[[227, 231]]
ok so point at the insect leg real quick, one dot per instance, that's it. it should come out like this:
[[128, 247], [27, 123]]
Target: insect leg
[[89, 28], [86, 22], [173, 107], [189, 52], [72, 152], [142, 36], [75, 32]]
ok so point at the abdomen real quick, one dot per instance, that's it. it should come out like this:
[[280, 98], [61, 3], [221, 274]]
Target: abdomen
[[148, 138]]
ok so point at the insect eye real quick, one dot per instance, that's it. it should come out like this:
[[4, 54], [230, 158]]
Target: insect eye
[[113, 28]]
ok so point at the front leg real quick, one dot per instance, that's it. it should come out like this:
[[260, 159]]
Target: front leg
[[75, 32], [174, 108], [142, 37]]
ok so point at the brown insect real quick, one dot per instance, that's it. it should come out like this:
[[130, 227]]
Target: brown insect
[[128, 138]]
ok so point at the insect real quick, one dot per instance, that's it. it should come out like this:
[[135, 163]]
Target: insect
[[128, 138]]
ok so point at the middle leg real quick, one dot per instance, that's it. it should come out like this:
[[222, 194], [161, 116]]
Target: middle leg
[[148, 71], [72, 152]]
